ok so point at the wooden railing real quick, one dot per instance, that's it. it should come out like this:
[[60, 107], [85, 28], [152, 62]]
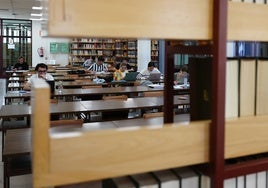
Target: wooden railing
[[96, 155]]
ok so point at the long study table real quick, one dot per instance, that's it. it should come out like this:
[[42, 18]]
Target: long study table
[[24, 110], [19, 141], [78, 92]]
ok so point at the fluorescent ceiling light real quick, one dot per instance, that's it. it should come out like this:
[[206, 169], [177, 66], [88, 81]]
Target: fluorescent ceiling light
[[32, 14], [37, 8]]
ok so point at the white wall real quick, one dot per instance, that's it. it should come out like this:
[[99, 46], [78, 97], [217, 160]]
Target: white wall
[[144, 53], [39, 41]]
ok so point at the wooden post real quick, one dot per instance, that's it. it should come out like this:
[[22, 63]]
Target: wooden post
[[218, 93], [40, 102]]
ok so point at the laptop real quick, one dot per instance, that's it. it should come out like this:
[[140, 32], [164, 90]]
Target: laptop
[[154, 77], [131, 76], [51, 84]]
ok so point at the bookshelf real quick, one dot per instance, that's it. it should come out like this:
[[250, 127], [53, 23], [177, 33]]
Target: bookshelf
[[155, 52], [111, 49], [210, 25]]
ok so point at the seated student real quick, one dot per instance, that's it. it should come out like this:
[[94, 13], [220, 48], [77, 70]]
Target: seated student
[[180, 76], [21, 65], [126, 61], [146, 73], [41, 70], [98, 66], [150, 69], [121, 72]]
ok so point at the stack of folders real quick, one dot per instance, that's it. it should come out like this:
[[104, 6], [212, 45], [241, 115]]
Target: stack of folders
[[185, 177]]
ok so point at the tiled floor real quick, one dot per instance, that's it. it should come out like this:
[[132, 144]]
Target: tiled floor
[[24, 181]]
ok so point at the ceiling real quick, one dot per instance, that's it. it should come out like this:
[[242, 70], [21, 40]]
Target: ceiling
[[18, 9]]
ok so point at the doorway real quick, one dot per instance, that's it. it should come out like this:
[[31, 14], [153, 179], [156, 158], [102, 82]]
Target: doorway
[[16, 41]]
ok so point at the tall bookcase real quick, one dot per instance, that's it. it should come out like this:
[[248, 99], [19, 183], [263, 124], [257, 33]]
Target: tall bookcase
[[82, 49], [155, 52]]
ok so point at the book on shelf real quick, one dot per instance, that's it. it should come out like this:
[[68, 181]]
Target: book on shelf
[[119, 182], [262, 89], [144, 180], [247, 87], [188, 177], [231, 92], [166, 179]]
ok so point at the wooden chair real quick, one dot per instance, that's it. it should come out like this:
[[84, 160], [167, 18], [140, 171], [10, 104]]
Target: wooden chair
[[22, 165], [93, 86], [67, 122], [152, 115], [91, 97], [153, 93], [16, 166], [115, 115], [115, 97]]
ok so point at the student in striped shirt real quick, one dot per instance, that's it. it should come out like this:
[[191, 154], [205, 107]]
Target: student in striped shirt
[[99, 66]]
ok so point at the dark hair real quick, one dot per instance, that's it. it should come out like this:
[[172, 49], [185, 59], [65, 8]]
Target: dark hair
[[21, 57], [123, 64], [150, 64], [184, 68], [100, 58], [41, 65]]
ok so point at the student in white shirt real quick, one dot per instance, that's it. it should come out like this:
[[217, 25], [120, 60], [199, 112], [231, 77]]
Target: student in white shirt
[[41, 73], [147, 71]]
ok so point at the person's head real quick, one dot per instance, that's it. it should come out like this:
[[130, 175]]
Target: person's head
[[151, 66], [21, 59], [125, 60], [184, 68], [41, 69], [100, 60], [123, 67]]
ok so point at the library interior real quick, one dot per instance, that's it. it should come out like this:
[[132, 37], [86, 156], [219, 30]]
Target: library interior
[[116, 94]]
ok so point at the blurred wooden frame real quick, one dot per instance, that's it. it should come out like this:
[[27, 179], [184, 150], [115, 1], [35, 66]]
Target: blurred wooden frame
[[55, 164], [59, 161]]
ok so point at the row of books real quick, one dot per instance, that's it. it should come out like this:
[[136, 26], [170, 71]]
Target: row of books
[[246, 88], [185, 177], [247, 49]]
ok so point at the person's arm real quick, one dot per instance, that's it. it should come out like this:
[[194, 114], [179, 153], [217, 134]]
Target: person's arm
[[105, 68], [90, 67], [15, 67], [27, 86]]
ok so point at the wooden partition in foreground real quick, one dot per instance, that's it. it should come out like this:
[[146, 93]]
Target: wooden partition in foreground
[[84, 156]]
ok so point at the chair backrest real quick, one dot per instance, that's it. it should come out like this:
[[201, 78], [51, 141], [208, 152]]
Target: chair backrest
[[115, 97], [153, 94], [153, 114], [93, 86], [72, 75], [52, 101], [67, 122]]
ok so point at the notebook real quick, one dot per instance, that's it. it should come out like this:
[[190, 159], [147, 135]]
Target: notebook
[[131, 76], [154, 77], [51, 83]]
